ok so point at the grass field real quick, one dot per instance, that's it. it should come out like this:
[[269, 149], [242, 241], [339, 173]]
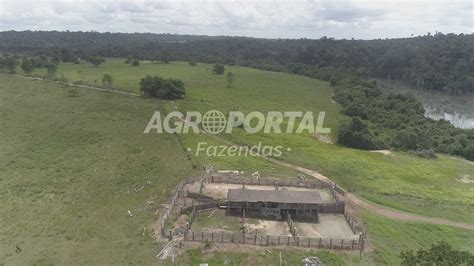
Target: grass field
[[71, 167], [401, 181]]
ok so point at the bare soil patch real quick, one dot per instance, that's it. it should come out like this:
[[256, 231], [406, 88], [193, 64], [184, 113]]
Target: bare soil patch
[[324, 138], [329, 226], [267, 227], [384, 152]]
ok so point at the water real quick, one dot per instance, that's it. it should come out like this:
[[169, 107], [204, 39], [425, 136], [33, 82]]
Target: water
[[458, 110], [460, 120]]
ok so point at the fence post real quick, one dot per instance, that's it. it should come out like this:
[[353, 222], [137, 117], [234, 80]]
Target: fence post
[[330, 243], [255, 239], [298, 243], [193, 234], [342, 243], [319, 246], [278, 240], [309, 241], [288, 241], [222, 237], [352, 244]]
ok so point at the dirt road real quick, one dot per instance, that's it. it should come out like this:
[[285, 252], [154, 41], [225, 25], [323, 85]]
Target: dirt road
[[384, 211]]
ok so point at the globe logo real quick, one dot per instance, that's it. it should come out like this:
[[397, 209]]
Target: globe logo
[[213, 122]]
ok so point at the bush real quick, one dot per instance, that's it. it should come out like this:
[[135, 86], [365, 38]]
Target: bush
[[192, 62], [439, 254], [73, 93], [428, 154], [218, 69], [135, 62]]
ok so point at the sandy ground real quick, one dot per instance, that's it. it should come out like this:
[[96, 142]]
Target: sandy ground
[[266, 227], [384, 152], [329, 226], [466, 179], [219, 190], [324, 138]]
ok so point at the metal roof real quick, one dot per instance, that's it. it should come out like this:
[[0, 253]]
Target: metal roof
[[283, 196]]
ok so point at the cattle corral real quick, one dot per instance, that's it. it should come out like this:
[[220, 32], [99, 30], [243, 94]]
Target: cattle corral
[[227, 208]]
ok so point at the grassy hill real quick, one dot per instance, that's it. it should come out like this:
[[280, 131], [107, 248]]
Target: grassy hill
[[399, 180], [71, 167]]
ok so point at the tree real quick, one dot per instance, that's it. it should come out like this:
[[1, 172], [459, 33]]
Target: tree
[[155, 86], [95, 60], [192, 62], [135, 62], [52, 68], [356, 134], [230, 79], [164, 56], [218, 69], [28, 65], [8, 64], [107, 81], [66, 55], [440, 253], [469, 152]]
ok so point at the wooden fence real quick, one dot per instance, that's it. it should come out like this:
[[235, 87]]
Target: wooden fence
[[270, 182], [293, 230], [271, 240], [204, 206], [350, 222], [174, 198]]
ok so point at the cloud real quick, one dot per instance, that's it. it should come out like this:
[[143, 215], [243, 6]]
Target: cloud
[[270, 19]]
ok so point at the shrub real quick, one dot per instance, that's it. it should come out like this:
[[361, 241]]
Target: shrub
[[428, 153], [135, 62], [218, 69]]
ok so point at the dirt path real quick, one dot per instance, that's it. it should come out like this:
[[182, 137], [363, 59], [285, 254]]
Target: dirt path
[[78, 85], [384, 211]]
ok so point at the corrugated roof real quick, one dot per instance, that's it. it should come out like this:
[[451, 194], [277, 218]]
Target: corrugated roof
[[283, 196]]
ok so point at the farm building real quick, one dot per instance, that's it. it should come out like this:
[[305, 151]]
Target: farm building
[[277, 203]]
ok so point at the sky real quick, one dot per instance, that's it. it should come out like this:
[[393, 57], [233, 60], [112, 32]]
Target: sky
[[265, 19]]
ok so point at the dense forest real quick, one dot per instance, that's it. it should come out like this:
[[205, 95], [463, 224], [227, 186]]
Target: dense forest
[[443, 62]]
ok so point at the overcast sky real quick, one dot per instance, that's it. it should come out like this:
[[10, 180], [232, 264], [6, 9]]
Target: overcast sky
[[269, 19]]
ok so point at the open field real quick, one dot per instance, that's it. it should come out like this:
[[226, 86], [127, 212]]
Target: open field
[[72, 167], [399, 180]]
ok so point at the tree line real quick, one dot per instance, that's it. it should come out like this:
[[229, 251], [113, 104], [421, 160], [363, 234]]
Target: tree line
[[442, 62]]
